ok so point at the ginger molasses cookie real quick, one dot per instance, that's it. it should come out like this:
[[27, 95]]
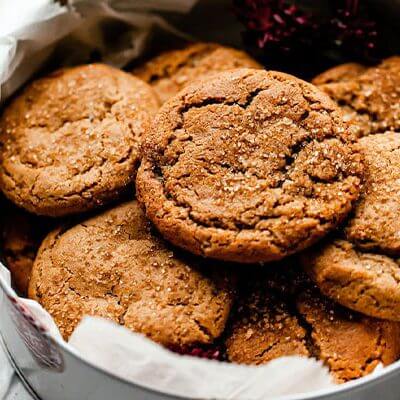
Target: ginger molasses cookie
[[69, 141], [360, 268], [359, 279], [350, 344], [22, 234], [172, 70], [370, 100], [263, 328], [277, 317], [113, 266], [340, 73], [247, 166], [375, 223]]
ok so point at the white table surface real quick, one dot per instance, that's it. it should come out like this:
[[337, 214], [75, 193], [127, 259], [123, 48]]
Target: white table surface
[[15, 390]]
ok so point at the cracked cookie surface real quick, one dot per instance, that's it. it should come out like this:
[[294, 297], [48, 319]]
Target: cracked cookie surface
[[339, 73], [286, 315], [375, 223], [360, 280], [70, 141], [247, 166], [371, 100], [113, 266], [263, 328], [169, 72], [360, 267]]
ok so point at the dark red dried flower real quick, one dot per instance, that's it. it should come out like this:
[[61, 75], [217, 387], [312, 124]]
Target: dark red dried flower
[[274, 24], [283, 26], [353, 32], [212, 352]]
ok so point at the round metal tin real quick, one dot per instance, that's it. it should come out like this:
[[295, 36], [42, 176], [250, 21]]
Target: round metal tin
[[52, 370]]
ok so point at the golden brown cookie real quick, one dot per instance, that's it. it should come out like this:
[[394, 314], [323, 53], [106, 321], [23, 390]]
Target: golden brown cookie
[[264, 328], [376, 223], [361, 280], [22, 234], [340, 73], [70, 141], [113, 266], [281, 317], [247, 166], [350, 344], [370, 100], [362, 272], [172, 70]]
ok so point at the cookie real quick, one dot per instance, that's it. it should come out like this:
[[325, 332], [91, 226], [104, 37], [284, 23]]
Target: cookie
[[360, 280], [247, 167], [371, 100], [264, 328], [340, 73], [22, 234], [350, 344], [359, 268], [375, 223], [278, 319], [113, 266], [171, 71], [70, 141]]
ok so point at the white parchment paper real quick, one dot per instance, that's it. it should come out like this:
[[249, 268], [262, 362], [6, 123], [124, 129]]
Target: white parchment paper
[[138, 359], [28, 35], [30, 30]]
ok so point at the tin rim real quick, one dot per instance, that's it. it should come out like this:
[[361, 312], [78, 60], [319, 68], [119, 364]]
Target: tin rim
[[342, 388]]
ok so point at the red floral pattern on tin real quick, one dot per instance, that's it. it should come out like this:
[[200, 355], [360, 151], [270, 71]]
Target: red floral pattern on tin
[[34, 335]]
